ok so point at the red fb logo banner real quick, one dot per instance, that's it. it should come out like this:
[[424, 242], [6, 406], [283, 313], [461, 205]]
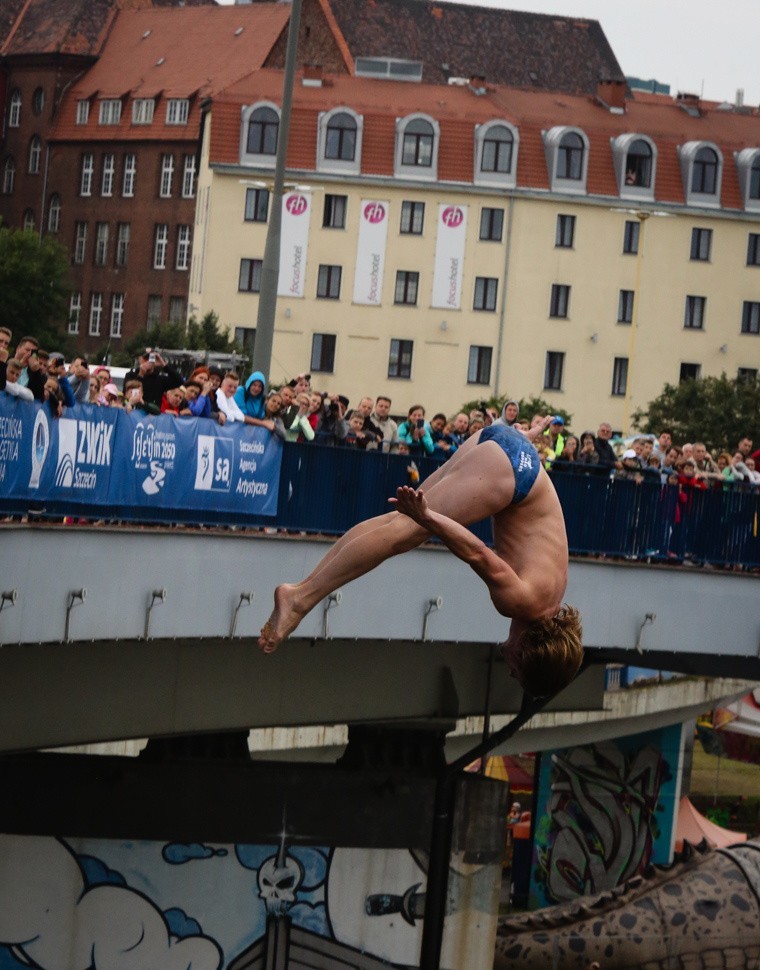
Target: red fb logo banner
[[296, 205], [374, 212], [452, 216]]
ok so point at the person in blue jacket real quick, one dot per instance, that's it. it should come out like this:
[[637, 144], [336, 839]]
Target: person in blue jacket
[[415, 432], [252, 398]]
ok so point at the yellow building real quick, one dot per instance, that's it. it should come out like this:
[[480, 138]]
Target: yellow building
[[446, 243]]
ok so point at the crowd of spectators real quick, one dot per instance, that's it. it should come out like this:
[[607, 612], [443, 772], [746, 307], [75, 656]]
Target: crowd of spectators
[[297, 412]]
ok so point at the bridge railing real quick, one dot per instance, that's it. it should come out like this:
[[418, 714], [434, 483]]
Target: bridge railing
[[327, 490]]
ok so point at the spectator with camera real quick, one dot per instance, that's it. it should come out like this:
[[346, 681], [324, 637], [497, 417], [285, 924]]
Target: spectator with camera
[[415, 432], [79, 380], [332, 427], [156, 376], [372, 433], [381, 418]]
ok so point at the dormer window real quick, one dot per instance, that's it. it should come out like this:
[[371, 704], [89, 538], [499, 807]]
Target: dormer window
[[495, 153], [177, 111], [417, 139], [83, 111], [260, 127], [702, 172], [142, 111], [339, 141], [748, 166], [635, 160], [109, 111], [566, 158]]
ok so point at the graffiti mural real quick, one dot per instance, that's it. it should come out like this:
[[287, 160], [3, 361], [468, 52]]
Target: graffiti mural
[[607, 810]]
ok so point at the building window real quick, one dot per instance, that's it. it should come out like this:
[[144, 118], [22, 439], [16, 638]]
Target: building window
[[407, 285], [96, 313], [183, 247], [54, 213], [479, 365], [109, 169], [28, 220], [176, 309], [753, 249], [694, 312], [122, 244], [167, 176], [9, 176], [565, 232], [177, 111], [747, 374], [496, 154], [75, 311], [117, 314], [142, 111], [14, 110], [101, 243], [160, 244], [88, 169], [567, 153], [340, 141], [751, 317], [638, 165], [625, 306], [80, 243], [631, 237], [263, 128], [35, 153], [256, 205], [754, 178], [619, 376], [412, 218], [560, 300], [83, 111], [328, 282], [570, 157], [249, 280], [334, 216], [154, 310], [188, 178], [689, 372], [109, 111], [704, 176], [486, 288], [130, 171], [701, 244], [38, 101], [400, 358], [417, 149], [323, 353], [491, 224], [553, 370]]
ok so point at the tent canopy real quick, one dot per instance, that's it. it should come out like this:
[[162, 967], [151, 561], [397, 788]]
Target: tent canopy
[[694, 827]]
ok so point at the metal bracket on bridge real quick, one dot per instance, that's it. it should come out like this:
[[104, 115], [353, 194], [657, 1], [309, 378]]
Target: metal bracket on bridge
[[244, 598], [334, 599], [434, 604], [75, 596], [8, 596], [160, 595]]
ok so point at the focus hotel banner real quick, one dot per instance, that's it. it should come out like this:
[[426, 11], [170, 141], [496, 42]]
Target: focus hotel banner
[[294, 243], [449, 256], [370, 252]]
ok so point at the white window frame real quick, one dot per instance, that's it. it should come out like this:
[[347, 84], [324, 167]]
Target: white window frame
[[346, 166], [28, 222], [184, 237], [552, 141], [142, 111], [687, 154], [87, 175], [188, 177], [109, 111], [254, 158], [54, 213], [117, 314], [102, 235], [9, 176], [496, 179], [129, 176], [107, 176], [35, 155], [14, 109], [427, 173], [167, 177], [160, 245], [177, 111], [123, 233], [96, 314], [75, 312], [80, 243], [620, 148], [745, 159], [83, 111]]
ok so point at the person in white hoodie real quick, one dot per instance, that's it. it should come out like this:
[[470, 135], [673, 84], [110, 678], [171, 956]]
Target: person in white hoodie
[[225, 398], [12, 386]]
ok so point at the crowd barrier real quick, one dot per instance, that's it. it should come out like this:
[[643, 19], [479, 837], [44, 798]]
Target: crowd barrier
[[101, 463]]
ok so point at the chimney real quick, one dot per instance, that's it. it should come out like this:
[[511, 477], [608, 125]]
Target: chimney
[[312, 76], [740, 97], [478, 84], [611, 92]]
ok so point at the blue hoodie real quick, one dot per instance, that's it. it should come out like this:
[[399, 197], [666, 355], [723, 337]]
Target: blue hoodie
[[252, 406]]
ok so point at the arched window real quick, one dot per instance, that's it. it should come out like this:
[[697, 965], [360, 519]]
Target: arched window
[[638, 164], [497, 150], [38, 101], [570, 157], [704, 176], [14, 110], [418, 144], [754, 178], [340, 141], [9, 176], [263, 128], [28, 219], [54, 213], [35, 152]]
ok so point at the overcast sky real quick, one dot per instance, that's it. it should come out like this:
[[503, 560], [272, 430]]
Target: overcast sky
[[708, 47]]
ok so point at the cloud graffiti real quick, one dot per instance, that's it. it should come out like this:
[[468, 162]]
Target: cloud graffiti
[[178, 853]]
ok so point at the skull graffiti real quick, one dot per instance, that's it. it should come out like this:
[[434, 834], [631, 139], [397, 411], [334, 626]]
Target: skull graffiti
[[278, 884]]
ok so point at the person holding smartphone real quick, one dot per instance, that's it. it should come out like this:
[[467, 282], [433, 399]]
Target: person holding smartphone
[[156, 375], [415, 432]]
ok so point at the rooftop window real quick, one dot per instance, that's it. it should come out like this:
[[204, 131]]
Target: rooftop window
[[702, 172], [566, 158], [496, 145], [388, 67]]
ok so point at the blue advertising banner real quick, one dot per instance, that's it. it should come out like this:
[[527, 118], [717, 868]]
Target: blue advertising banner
[[106, 457]]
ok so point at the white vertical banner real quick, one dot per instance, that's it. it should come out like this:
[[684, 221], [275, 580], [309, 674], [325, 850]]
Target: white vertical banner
[[294, 242], [449, 256], [370, 252]]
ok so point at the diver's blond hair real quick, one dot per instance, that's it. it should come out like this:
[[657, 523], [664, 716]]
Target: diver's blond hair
[[552, 652]]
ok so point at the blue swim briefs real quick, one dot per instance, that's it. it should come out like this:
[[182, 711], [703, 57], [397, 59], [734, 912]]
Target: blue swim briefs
[[521, 454]]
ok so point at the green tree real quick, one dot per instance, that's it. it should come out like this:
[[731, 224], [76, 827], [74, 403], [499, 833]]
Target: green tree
[[35, 288], [201, 334], [716, 410], [528, 406]]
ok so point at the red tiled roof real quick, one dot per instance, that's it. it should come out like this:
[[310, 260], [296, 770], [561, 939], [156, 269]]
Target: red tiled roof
[[174, 53], [458, 110]]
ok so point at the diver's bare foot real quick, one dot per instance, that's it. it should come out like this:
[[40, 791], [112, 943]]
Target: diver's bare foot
[[412, 502], [284, 619]]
